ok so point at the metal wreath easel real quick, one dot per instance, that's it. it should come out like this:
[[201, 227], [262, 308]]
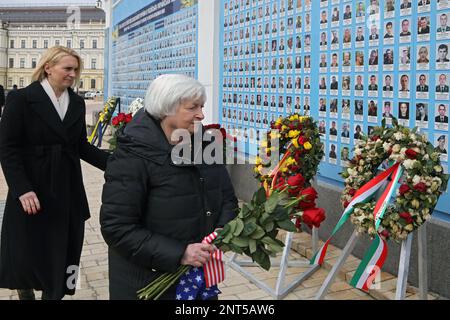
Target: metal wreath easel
[[403, 266], [280, 290]]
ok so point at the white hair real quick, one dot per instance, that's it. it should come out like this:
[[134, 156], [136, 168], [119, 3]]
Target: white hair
[[167, 91]]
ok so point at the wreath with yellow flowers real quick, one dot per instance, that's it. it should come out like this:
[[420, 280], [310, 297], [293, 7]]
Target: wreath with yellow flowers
[[419, 186], [302, 151]]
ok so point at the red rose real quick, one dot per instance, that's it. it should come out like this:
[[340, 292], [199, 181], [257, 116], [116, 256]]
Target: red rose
[[404, 188], [296, 181], [115, 121], [411, 154], [291, 126], [309, 200], [385, 234], [121, 117], [313, 217], [294, 168], [407, 217], [375, 138], [345, 204], [352, 192], [301, 140], [421, 187], [280, 184], [128, 117]]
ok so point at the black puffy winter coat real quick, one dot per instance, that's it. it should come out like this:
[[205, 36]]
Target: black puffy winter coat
[[152, 208]]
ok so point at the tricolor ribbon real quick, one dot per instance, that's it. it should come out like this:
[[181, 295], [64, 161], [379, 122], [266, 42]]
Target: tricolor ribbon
[[364, 194], [214, 269], [275, 171], [377, 253]]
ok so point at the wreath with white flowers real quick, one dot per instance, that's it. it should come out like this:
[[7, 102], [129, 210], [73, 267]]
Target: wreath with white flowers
[[421, 185]]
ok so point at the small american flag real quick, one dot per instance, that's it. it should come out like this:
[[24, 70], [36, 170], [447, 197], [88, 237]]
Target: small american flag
[[214, 269]]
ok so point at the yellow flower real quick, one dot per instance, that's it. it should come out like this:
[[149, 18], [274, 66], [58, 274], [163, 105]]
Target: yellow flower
[[284, 128], [293, 133], [295, 143], [293, 117], [283, 170], [307, 145], [290, 161], [278, 121], [258, 161]]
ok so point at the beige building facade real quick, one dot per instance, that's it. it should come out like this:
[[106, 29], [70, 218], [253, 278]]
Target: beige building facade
[[27, 32]]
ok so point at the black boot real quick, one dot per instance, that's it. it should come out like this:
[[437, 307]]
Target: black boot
[[26, 294]]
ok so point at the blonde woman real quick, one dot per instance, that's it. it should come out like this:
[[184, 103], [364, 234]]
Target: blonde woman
[[42, 139]]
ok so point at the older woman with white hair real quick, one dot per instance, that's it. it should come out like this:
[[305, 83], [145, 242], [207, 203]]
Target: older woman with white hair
[[156, 211]]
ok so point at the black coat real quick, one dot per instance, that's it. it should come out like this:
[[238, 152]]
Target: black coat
[[41, 153], [152, 208]]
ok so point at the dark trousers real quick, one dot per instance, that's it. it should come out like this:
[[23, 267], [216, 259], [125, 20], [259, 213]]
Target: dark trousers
[[28, 294]]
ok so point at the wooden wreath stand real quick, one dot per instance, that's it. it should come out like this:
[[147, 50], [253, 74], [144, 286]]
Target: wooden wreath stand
[[280, 290], [403, 266]]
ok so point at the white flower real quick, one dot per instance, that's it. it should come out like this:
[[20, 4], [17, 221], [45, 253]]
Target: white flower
[[426, 157], [386, 146], [357, 152], [396, 148], [416, 178], [134, 107], [438, 169], [409, 164], [398, 136], [413, 137], [403, 151]]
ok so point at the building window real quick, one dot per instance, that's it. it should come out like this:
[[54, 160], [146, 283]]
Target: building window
[[22, 44], [94, 44], [11, 62], [9, 82], [93, 63], [92, 83], [81, 44], [57, 42], [21, 83], [11, 43], [34, 44], [33, 63], [22, 63], [45, 44], [69, 44]]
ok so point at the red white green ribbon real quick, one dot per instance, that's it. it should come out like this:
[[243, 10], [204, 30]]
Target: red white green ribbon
[[364, 194], [377, 253]]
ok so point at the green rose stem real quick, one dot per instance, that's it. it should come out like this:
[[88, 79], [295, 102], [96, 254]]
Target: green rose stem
[[160, 285]]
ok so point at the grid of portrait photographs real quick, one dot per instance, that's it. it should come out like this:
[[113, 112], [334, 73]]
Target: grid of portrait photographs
[[356, 63], [379, 59], [266, 64], [167, 45]]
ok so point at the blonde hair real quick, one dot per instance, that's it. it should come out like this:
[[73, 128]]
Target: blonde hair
[[51, 57]]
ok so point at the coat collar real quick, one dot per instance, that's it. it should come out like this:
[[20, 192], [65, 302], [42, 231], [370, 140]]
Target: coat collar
[[40, 102]]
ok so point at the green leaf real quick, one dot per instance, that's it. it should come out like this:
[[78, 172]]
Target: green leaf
[[259, 197], [240, 242], [239, 227], [264, 218], [383, 123], [249, 228], [258, 233], [274, 246], [262, 259], [236, 248], [287, 225], [269, 226], [252, 246], [271, 203], [280, 213]]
